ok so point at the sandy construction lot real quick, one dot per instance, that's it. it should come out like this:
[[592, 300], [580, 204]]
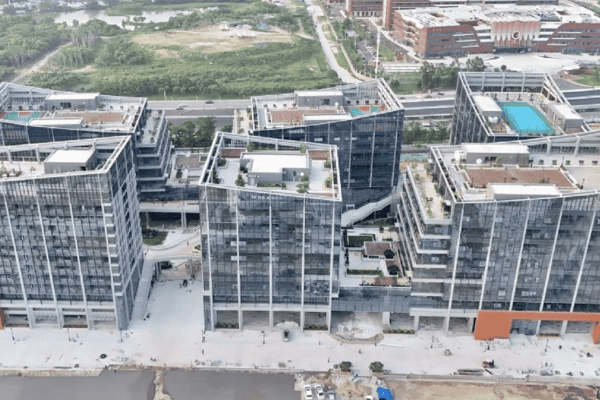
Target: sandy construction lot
[[436, 390], [212, 39]]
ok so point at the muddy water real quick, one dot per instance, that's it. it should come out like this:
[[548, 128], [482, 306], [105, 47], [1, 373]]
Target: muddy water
[[189, 385], [124, 385], [139, 385]]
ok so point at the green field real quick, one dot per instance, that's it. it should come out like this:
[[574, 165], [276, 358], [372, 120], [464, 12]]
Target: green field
[[186, 62]]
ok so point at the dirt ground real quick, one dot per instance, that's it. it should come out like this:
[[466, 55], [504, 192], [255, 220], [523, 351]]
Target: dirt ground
[[420, 390], [211, 39]]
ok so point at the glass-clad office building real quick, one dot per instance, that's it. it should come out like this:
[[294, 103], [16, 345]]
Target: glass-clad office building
[[519, 234], [31, 115], [268, 246], [493, 107], [71, 250], [363, 120]]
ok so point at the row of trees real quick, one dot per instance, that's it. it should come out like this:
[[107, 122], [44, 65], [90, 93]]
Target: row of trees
[[444, 76]]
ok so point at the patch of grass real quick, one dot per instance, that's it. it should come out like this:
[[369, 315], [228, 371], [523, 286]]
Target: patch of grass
[[405, 83], [358, 240], [341, 60], [588, 80], [386, 54], [151, 237]]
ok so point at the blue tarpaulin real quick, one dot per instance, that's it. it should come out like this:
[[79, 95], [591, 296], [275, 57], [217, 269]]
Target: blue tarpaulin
[[385, 394]]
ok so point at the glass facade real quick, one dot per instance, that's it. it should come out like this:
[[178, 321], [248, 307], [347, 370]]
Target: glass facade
[[533, 254], [368, 149], [268, 249], [72, 240]]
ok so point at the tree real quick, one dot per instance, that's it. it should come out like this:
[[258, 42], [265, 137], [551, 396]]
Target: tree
[[597, 73], [303, 149], [376, 367], [475, 64], [346, 366], [9, 10], [240, 181], [227, 128], [393, 270], [503, 67], [251, 147]]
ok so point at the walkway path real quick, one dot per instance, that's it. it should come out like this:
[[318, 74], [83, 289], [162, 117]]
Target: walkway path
[[38, 65], [343, 74]]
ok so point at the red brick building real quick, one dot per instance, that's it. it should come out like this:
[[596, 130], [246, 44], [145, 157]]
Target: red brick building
[[439, 32]]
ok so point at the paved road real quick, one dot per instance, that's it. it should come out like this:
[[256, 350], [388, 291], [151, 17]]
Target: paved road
[[343, 74], [200, 104]]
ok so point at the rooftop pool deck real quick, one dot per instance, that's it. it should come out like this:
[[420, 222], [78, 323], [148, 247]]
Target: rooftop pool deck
[[526, 119]]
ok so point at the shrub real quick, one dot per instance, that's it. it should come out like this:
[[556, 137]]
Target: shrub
[[541, 162], [303, 149], [391, 229], [251, 147], [413, 166], [376, 367], [305, 178], [346, 366], [554, 162], [417, 176], [393, 270], [283, 185], [240, 181], [389, 254], [429, 213], [568, 162], [581, 162], [327, 164], [363, 271]]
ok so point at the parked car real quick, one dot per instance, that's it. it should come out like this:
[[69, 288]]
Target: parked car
[[209, 101], [369, 398], [308, 393], [320, 392], [286, 336], [330, 396]]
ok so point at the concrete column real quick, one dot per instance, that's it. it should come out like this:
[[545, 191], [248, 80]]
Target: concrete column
[[416, 323], [241, 318], [183, 219], [576, 153], [147, 220], [302, 316], [271, 318], [329, 320], [386, 318], [563, 329], [471, 324]]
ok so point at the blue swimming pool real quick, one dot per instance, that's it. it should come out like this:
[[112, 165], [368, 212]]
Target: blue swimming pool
[[526, 119]]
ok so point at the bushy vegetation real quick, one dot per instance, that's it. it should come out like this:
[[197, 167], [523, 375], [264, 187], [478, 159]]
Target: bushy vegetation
[[414, 133], [26, 38], [399, 330], [272, 68], [346, 366], [376, 367], [364, 272], [191, 134], [315, 327]]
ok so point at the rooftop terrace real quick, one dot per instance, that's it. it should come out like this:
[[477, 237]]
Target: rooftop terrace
[[273, 165], [526, 114], [320, 106]]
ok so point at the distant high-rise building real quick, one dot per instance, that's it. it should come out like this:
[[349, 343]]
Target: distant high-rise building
[[363, 120], [33, 115], [270, 231], [71, 250]]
